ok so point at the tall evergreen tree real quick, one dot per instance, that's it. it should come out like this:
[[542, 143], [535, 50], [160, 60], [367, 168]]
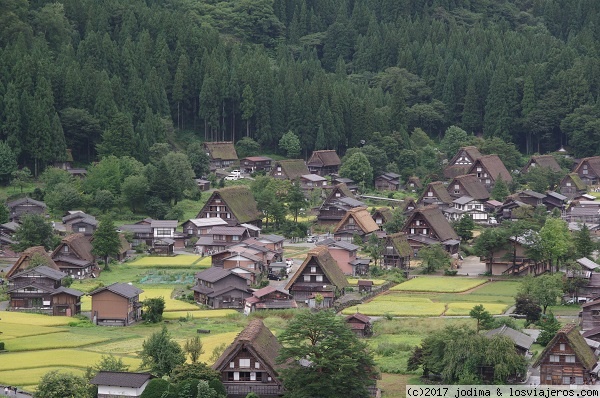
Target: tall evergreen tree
[[106, 242]]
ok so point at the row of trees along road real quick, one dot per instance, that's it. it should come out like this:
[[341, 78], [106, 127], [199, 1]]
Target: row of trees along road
[[106, 78]]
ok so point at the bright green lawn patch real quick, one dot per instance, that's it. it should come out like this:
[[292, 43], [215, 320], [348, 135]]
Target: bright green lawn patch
[[170, 303], [376, 282], [198, 314], [465, 308], [23, 318], [14, 330], [439, 284], [499, 288], [54, 340], [28, 377], [398, 308], [61, 357], [180, 260]]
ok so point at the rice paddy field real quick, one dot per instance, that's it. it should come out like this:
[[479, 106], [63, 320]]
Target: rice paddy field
[[178, 261], [439, 284], [376, 282]]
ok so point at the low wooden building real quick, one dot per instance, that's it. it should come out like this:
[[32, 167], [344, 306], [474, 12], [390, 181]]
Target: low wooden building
[[413, 184], [344, 254], [544, 161], [269, 298], [588, 170], [324, 162], [17, 208], [39, 289], [567, 359], [426, 226], [235, 205], [249, 364], [116, 305], [461, 162], [290, 169], [388, 182], [80, 222], [36, 253], [382, 215], [571, 186], [522, 341], [252, 164], [590, 315], [121, 384], [364, 286], [489, 169], [337, 203], [203, 185], [360, 324], [201, 226], [396, 251], [437, 194], [220, 288], [74, 256]]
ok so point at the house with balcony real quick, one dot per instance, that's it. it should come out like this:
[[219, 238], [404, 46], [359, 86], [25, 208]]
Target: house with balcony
[[253, 164], [39, 289], [235, 205], [466, 206], [249, 364], [319, 281]]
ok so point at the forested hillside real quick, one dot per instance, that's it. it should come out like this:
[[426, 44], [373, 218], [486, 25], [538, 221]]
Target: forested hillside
[[115, 77]]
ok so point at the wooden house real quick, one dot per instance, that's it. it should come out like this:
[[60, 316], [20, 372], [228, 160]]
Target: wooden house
[[141, 231], [290, 169], [572, 185], [466, 206], [382, 215], [583, 211], [388, 182], [588, 170], [235, 204], [590, 315], [269, 298], [221, 154], [116, 305], [324, 162], [461, 162], [350, 184], [17, 208], [396, 251], [413, 184], [427, 226], [567, 359], [512, 258], [364, 286], [249, 364], [555, 200], [271, 241], [356, 221], [74, 257], [220, 288], [337, 203], [39, 289], [522, 341], [530, 197], [344, 254], [252, 164], [435, 193], [80, 222], [543, 161], [219, 238], [488, 169], [121, 384], [360, 324], [318, 278], [310, 182], [39, 254], [245, 264], [201, 226], [468, 185]]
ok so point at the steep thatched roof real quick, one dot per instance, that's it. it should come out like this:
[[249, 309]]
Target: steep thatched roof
[[579, 184], [257, 339], [494, 167], [361, 217], [399, 242], [324, 158], [79, 246], [292, 168], [329, 266], [240, 201], [439, 191], [452, 169], [221, 150], [23, 261], [436, 220], [547, 161], [583, 352], [593, 163], [385, 213], [473, 187]]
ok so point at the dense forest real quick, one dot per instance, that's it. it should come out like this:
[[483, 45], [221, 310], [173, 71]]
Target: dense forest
[[113, 78]]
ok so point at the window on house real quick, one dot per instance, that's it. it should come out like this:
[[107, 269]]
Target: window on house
[[232, 364], [257, 365], [227, 215], [570, 358], [412, 231], [456, 187], [417, 223], [313, 270], [81, 229], [235, 238], [561, 347], [566, 380], [337, 195], [430, 194], [306, 278], [554, 358], [568, 184], [579, 380], [244, 362], [425, 230], [319, 278], [66, 249], [487, 181]]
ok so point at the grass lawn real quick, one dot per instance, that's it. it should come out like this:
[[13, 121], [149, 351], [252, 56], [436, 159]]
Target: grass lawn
[[394, 385], [499, 288], [439, 284], [180, 260]]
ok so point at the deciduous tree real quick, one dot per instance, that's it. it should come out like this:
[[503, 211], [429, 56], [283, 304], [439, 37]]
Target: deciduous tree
[[153, 309], [106, 240], [34, 230], [57, 384], [161, 354]]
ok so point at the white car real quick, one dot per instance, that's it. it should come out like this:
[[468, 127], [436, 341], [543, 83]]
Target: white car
[[232, 177], [236, 172]]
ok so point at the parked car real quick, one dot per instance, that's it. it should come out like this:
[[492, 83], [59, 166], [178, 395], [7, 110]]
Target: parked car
[[311, 239], [580, 300], [232, 177], [273, 277]]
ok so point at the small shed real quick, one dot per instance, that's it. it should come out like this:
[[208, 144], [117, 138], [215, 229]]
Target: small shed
[[164, 246], [365, 286], [360, 324], [203, 185]]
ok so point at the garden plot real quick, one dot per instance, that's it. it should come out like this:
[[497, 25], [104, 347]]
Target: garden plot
[[439, 284]]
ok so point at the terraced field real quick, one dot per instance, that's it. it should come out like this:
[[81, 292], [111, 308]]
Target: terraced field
[[439, 284]]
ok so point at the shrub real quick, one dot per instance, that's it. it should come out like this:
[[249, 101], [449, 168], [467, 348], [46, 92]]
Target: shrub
[[386, 349], [450, 272], [1, 346]]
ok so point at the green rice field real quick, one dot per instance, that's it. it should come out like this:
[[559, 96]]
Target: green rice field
[[178, 261], [439, 284]]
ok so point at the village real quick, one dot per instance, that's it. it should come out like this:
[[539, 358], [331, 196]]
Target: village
[[364, 256]]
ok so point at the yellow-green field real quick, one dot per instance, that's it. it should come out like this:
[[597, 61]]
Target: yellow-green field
[[29, 377], [464, 308], [60, 357], [439, 284], [179, 261], [376, 282], [170, 303], [55, 340], [22, 318], [198, 314]]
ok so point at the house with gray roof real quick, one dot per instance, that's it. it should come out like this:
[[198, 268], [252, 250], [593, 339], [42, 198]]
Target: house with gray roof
[[220, 288], [121, 384], [522, 341]]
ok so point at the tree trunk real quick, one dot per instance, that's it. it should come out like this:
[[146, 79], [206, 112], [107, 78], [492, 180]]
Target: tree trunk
[[247, 127]]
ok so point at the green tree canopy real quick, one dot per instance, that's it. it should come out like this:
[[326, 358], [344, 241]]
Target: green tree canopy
[[57, 384], [35, 230], [106, 240], [160, 353], [357, 168]]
